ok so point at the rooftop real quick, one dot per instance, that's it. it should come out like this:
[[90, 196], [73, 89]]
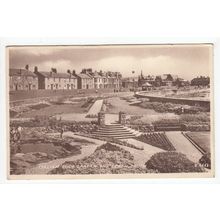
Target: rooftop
[[20, 72], [56, 75]]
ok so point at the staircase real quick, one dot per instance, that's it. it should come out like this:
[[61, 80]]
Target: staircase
[[115, 131]]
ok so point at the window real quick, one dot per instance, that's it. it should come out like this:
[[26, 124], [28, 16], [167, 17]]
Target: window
[[54, 79], [59, 79]]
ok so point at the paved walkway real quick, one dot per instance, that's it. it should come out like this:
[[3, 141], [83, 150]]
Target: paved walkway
[[111, 118], [87, 149], [183, 145], [141, 156], [96, 107]]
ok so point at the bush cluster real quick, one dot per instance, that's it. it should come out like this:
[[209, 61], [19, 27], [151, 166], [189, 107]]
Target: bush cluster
[[172, 162]]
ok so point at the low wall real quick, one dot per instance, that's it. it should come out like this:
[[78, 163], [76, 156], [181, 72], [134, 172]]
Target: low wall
[[184, 101]]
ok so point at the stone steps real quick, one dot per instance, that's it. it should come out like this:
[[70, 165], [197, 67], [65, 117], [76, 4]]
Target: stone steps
[[115, 131], [115, 136]]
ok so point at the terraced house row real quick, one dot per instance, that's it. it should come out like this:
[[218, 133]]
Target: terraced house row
[[25, 79]]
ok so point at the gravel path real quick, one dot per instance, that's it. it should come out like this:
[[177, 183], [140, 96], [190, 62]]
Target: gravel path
[[87, 149], [183, 145]]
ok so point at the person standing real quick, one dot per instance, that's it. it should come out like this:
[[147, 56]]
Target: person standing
[[61, 132]]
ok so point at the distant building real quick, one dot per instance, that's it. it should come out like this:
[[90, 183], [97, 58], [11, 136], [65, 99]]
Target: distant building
[[55, 81], [84, 81], [160, 80], [130, 82], [114, 80], [181, 82], [147, 86], [99, 80], [150, 79], [22, 79], [168, 79]]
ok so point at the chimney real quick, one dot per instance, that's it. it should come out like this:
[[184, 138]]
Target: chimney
[[68, 71], [35, 69], [27, 67], [53, 70], [74, 72]]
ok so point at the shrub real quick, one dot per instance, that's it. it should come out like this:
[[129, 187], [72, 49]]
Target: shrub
[[109, 147], [198, 118], [172, 162]]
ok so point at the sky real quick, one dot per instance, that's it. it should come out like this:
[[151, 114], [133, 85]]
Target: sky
[[186, 61]]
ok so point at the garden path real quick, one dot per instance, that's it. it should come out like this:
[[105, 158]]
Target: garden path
[[141, 156], [183, 145]]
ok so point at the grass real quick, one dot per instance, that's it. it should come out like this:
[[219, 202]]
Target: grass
[[54, 110], [39, 106], [39, 147]]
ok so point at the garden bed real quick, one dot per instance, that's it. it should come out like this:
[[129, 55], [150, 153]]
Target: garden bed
[[159, 140], [107, 159]]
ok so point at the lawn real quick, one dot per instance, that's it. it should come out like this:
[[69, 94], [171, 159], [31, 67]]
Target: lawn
[[55, 109], [202, 139], [39, 147]]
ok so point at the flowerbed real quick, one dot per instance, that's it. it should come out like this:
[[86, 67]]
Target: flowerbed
[[107, 159], [159, 140]]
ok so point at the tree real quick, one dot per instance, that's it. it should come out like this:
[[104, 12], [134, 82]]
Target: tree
[[172, 162]]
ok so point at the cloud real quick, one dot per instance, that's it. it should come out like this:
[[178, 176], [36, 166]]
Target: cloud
[[186, 60]]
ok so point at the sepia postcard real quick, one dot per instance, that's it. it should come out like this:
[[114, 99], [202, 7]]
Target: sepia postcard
[[110, 111]]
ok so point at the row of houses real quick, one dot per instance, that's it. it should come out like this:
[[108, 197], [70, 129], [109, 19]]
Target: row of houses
[[24, 79], [150, 81]]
